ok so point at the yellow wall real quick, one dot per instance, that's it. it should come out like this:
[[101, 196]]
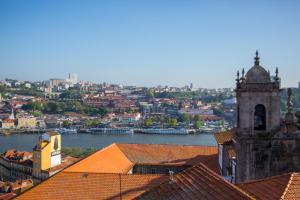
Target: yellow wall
[[45, 156], [26, 122], [42, 156]]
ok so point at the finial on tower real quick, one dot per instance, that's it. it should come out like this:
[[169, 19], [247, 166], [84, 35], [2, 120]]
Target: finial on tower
[[237, 77], [243, 75], [276, 72], [256, 58], [289, 117], [289, 100]]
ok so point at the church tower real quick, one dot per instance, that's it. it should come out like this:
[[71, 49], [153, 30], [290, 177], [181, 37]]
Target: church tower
[[258, 117]]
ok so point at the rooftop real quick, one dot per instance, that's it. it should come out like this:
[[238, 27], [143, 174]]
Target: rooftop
[[225, 137], [127, 155], [284, 187], [197, 182], [77, 185]]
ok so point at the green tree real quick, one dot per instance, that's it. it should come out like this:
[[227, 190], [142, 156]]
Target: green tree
[[33, 106], [172, 122], [184, 117], [36, 113], [92, 123], [196, 118], [148, 122], [198, 124], [66, 124], [71, 94], [53, 107], [150, 93]]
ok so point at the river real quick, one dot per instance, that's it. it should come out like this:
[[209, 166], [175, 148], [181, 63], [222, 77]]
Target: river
[[25, 142]]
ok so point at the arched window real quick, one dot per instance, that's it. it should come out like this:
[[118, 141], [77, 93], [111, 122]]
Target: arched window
[[260, 118]]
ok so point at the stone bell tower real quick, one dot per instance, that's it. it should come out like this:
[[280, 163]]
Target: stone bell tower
[[258, 116]]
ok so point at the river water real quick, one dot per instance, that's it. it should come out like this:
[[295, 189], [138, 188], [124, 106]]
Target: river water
[[26, 142]]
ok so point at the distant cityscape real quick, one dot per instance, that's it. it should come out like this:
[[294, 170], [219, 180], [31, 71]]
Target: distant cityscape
[[256, 114]]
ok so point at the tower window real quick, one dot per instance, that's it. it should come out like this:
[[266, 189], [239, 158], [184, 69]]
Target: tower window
[[260, 118]]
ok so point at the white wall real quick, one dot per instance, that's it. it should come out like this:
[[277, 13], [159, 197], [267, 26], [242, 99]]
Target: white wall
[[55, 160]]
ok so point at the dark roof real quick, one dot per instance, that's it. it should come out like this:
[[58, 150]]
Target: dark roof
[[197, 182], [285, 187]]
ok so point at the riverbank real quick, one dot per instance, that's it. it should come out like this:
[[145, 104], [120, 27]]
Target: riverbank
[[26, 142], [107, 131]]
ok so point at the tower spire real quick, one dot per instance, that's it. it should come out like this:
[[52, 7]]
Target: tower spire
[[256, 58], [237, 77]]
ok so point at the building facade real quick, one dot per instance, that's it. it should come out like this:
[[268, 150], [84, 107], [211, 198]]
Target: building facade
[[263, 144]]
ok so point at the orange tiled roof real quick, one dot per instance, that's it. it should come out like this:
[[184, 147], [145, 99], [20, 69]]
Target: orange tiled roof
[[224, 137], [108, 160], [15, 155], [72, 185], [67, 161], [197, 182], [171, 154], [285, 187], [120, 158], [8, 121]]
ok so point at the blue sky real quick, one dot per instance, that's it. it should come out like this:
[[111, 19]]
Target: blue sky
[[148, 43]]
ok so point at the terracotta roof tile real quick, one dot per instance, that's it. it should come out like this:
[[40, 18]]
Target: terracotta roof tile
[[73, 185], [126, 155], [286, 187], [197, 182], [224, 137], [108, 160], [171, 154]]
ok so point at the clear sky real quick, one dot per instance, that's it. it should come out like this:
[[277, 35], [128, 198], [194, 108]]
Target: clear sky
[[148, 42]]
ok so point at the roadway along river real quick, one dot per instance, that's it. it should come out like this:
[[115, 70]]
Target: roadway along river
[[26, 142]]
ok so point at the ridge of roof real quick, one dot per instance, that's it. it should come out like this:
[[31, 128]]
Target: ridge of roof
[[288, 185], [70, 172], [214, 175], [284, 186], [226, 182], [265, 179], [104, 154], [162, 144]]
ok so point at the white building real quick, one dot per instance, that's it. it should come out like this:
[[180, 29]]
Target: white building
[[73, 78]]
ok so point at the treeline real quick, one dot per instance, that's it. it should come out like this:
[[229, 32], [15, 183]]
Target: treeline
[[173, 122], [203, 96], [77, 152], [21, 91], [62, 107]]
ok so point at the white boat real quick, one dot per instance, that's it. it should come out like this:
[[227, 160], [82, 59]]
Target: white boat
[[66, 130], [169, 131], [111, 130]]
